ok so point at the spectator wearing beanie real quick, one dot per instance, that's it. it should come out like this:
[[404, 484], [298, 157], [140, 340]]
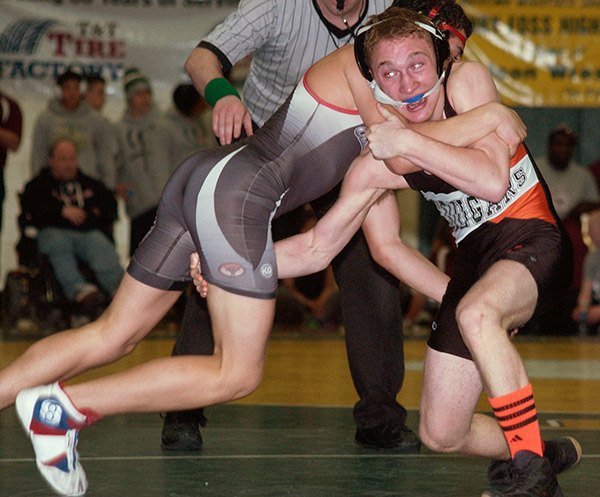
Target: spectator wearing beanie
[[147, 154]]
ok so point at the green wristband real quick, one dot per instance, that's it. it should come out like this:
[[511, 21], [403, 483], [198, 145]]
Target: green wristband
[[218, 88]]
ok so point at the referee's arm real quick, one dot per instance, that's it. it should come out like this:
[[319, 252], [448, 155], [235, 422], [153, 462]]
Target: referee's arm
[[208, 68], [205, 63]]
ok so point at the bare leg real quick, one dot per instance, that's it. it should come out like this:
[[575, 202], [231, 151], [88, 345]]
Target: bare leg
[[134, 311], [241, 327], [451, 389], [502, 300]]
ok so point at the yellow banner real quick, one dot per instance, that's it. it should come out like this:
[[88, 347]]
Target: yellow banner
[[541, 52]]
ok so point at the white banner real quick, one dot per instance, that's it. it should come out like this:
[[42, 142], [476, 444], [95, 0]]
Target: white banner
[[40, 39]]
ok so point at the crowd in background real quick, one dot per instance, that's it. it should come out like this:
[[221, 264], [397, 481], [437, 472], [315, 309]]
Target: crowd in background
[[133, 156], [81, 162]]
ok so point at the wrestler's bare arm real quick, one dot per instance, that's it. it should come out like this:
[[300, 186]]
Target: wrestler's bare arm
[[460, 131], [382, 230], [480, 169], [313, 250]]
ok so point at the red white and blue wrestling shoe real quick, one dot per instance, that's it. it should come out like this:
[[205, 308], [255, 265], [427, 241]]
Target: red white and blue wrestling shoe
[[53, 424]]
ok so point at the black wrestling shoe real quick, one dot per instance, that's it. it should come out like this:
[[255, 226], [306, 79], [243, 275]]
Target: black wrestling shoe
[[181, 430], [562, 454], [531, 476], [395, 436]]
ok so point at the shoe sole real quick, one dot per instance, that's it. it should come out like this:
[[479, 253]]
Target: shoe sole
[[181, 447], [578, 450], [558, 493]]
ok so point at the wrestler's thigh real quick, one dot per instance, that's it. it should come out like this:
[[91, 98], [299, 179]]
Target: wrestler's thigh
[[241, 327], [133, 312], [508, 290]]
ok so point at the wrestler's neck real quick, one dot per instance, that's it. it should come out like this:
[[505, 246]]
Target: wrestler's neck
[[345, 19]]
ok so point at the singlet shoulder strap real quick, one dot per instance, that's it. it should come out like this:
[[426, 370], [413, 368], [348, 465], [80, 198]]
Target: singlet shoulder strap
[[448, 109]]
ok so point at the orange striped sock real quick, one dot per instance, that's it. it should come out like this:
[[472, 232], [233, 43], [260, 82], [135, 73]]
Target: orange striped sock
[[517, 416]]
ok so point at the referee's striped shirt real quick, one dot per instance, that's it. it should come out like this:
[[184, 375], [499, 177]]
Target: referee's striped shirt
[[286, 37]]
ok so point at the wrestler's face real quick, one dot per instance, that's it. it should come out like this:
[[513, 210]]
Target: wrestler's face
[[405, 68]]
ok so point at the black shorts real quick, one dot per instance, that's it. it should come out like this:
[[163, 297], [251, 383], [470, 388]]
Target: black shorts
[[543, 248]]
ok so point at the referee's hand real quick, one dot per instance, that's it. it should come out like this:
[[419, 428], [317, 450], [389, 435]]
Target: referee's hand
[[229, 115]]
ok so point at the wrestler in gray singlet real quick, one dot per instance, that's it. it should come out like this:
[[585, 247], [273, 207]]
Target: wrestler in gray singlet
[[221, 202]]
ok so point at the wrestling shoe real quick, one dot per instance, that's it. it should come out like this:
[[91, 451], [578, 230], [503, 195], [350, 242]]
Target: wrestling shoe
[[394, 436], [532, 476], [181, 430], [53, 424], [562, 453]]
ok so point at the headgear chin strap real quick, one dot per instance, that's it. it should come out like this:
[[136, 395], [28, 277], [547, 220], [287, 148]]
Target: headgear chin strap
[[384, 98]]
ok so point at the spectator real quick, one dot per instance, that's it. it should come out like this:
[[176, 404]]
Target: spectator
[[573, 191], [95, 97], [95, 91], [594, 168], [186, 118], [70, 210], [11, 127], [69, 116], [570, 184], [311, 300], [147, 154], [587, 311]]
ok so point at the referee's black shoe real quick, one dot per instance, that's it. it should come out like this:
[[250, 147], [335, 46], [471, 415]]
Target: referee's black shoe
[[181, 430], [394, 436]]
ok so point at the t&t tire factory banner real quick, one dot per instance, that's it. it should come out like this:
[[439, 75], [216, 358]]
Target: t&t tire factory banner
[[41, 39]]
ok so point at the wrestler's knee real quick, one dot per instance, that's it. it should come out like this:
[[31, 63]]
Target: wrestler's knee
[[240, 382], [111, 340], [475, 318], [438, 435]]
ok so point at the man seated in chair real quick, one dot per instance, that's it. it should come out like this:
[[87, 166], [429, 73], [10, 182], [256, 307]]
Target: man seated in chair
[[71, 212]]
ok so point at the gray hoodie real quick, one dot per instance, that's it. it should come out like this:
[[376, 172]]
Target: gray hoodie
[[148, 153], [87, 129]]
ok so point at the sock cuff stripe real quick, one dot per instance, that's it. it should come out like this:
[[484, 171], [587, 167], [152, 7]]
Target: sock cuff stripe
[[521, 424], [516, 414], [506, 407]]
